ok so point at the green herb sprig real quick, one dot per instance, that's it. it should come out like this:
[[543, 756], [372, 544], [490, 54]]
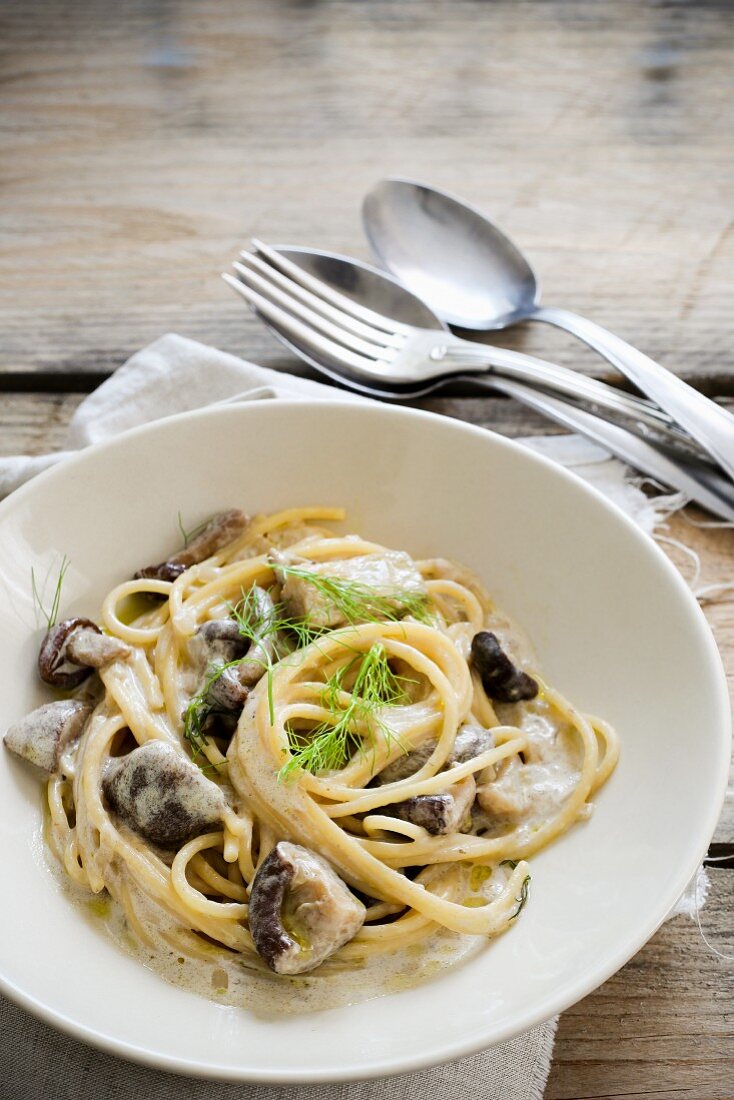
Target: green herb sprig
[[523, 897], [189, 535], [375, 685], [359, 602], [332, 743], [53, 613]]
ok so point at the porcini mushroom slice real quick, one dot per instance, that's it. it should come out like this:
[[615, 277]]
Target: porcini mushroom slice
[[162, 795], [72, 648], [218, 641], [164, 571], [221, 641], [300, 910], [438, 814], [470, 741], [214, 646], [225, 692], [95, 649], [220, 530], [501, 679], [43, 734]]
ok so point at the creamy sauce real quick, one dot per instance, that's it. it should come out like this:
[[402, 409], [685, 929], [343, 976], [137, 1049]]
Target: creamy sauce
[[220, 976], [538, 783]]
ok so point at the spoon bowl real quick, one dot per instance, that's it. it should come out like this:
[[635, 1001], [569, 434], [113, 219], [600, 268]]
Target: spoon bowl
[[450, 255], [473, 276]]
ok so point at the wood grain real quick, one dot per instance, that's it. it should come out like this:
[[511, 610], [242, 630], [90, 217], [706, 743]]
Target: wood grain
[[663, 1026], [143, 144]]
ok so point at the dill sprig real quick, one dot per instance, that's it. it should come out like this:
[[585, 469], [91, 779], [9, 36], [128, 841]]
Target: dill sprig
[[257, 628], [523, 896], [53, 613], [375, 685], [331, 744], [360, 603], [189, 535]]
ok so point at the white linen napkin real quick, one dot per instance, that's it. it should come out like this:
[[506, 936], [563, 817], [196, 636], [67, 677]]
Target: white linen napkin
[[174, 375]]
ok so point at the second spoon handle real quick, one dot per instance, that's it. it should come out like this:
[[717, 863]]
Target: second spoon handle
[[698, 480], [710, 425]]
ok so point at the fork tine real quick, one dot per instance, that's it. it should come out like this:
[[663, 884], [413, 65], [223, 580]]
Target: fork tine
[[305, 336], [331, 312], [313, 319], [323, 290]]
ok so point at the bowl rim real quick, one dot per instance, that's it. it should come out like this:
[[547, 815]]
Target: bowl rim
[[552, 1004]]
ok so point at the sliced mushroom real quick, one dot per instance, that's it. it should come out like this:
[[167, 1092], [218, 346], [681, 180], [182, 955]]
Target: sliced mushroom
[[218, 641], [470, 741], [225, 692], [164, 571], [214, 645], [72, 648], [42, 735], [161, 795], [300, 910], [389, 574], [221, 529], [407, 764], [440, 813], [221, 641], [94, 649], [501, 679]]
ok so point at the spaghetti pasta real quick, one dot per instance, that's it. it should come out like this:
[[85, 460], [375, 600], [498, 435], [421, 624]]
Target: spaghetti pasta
[[351, 719]]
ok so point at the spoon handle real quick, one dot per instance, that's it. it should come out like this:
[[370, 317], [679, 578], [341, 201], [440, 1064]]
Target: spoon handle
[[695, 478], [710, 425]]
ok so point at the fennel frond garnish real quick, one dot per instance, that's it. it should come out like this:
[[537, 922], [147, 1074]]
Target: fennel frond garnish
[[200, 707], [189, 535], [360, 603], [523, 896], [53, 613], [332, 743]]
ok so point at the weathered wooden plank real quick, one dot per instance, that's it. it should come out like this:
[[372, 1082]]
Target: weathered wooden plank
[[663, 1025], [33, 423], [144, 143]]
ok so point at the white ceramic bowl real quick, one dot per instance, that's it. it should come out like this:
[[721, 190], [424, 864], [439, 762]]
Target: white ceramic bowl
[[613, 624]]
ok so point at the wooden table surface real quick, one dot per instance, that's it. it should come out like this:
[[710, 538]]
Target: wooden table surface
[[143, 143]]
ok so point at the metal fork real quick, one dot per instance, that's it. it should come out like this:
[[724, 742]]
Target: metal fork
[[370, 346], [384, 357]]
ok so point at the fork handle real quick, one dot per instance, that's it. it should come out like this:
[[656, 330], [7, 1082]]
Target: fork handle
[[708, 423], [527, 369]]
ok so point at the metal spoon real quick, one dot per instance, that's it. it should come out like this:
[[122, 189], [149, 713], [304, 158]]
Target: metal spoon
[[473, 276]]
